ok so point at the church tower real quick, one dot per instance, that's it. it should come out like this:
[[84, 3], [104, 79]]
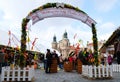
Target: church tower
[[54, 43], [65, 40], [65, 35], [64, 45]]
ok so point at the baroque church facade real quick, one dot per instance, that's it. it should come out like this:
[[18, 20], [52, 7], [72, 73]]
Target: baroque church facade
[[63, 46]]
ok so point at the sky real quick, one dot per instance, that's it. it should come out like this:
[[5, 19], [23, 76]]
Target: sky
[[105, 12]]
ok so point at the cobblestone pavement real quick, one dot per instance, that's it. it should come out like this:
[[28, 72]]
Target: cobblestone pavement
[[61, 76]]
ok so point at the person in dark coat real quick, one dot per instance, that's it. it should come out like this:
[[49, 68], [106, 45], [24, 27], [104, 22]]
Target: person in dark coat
[[48, 61], [118, 53], [55, 55], [1, 60]]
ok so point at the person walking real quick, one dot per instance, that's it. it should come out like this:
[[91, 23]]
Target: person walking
[[109, 58], [48, 61], [60, 62]]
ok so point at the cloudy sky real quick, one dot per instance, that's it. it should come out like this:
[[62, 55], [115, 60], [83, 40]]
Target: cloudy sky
[[105, 12]]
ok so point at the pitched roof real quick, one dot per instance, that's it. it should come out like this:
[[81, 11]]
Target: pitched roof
[[115, 35]]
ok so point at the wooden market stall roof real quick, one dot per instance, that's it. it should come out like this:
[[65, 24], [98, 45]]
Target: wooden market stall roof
[[115, 35], [12, 49]]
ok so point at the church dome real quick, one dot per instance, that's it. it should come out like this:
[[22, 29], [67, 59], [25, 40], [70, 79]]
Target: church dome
[[65, 35], [54, 39]]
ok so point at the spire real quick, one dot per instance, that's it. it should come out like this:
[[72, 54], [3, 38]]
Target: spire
[[54, 38], [65, 35]]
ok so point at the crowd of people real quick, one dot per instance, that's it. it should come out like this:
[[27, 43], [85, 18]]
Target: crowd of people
[[86, 57], [8, 58], [106, 58]]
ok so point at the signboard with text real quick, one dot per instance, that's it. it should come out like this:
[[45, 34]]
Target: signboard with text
[[60, 12]]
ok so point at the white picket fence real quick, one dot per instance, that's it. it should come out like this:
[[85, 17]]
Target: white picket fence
[[25, 74], [97, 72], [116, 67]]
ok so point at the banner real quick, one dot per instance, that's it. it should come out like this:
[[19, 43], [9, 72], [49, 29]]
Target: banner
[[60, 12]]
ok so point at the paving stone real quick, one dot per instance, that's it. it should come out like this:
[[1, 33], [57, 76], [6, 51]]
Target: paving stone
[[62, 76]]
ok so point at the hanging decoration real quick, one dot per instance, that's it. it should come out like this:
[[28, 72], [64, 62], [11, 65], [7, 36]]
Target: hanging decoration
[[9, 42]]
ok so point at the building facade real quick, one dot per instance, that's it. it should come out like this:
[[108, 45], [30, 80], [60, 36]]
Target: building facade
[[90, 45], [111, 44], [63, 46]]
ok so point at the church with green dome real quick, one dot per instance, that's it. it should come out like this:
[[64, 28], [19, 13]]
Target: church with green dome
[[63, 46]]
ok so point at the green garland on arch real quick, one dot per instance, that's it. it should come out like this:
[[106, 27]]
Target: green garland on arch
[[95, 44], [48, 5]]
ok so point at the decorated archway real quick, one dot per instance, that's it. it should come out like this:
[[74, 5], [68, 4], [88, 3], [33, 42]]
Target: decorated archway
[[57, 10]]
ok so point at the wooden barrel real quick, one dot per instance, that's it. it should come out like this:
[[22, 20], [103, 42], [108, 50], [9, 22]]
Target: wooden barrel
[[53, 68], [68, 66], [79, 66]]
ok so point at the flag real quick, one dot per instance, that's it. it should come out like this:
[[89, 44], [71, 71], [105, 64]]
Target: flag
[[14, 42], [35, 56], [33, 43], [15, 38], [32, 47], [75, 36], [28, 39], [9, 42]]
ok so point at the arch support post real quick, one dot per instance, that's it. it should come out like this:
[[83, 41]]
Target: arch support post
[[95, 44], [24, 35], [23, 43]]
